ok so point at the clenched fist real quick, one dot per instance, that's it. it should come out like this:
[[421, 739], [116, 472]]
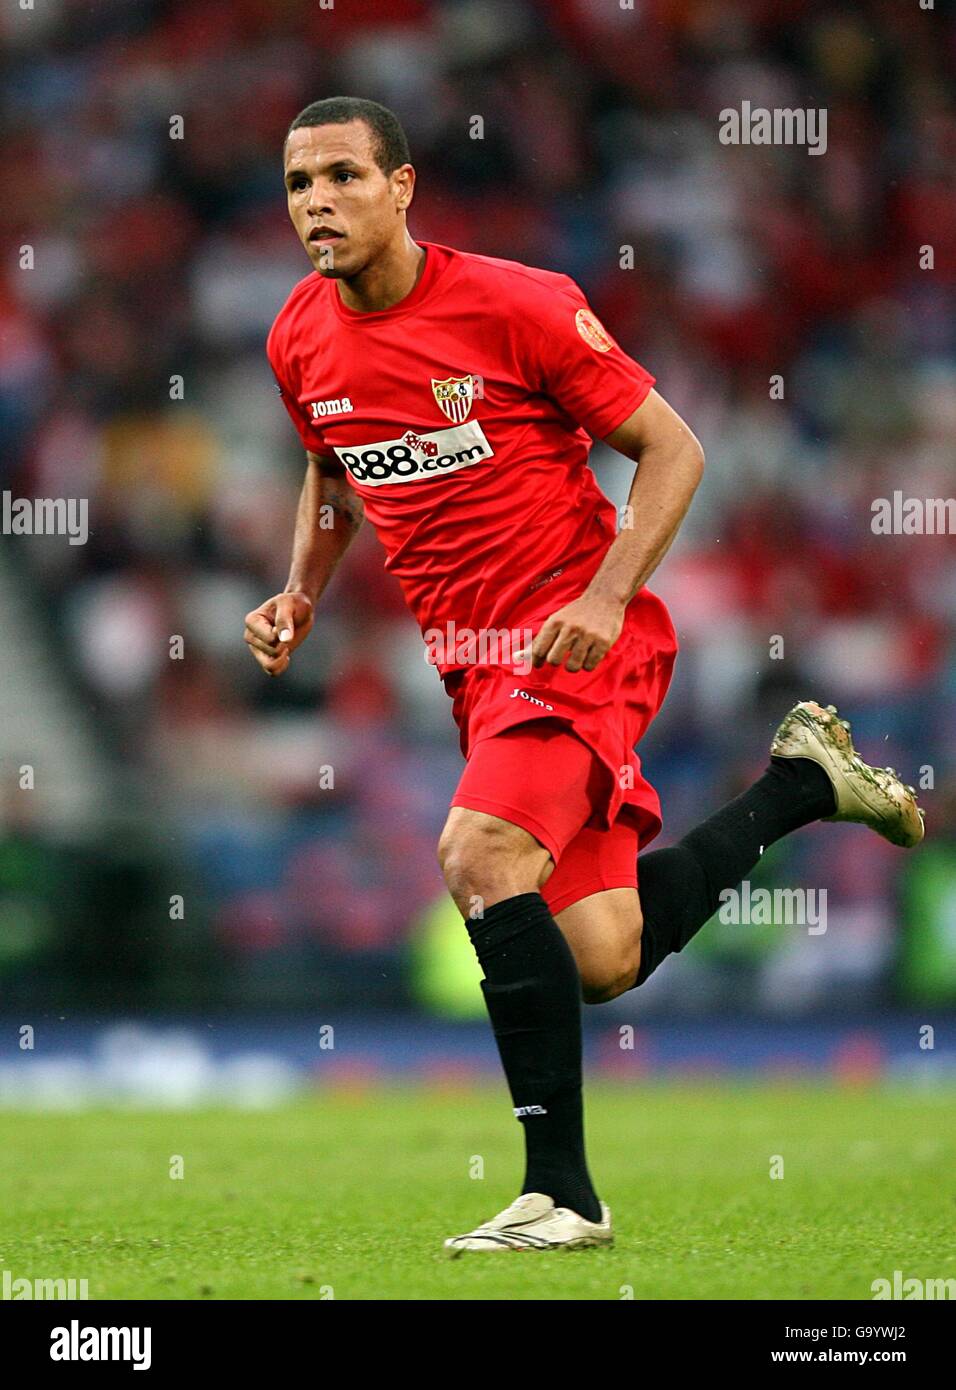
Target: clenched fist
[[579, 635], [276, 628]]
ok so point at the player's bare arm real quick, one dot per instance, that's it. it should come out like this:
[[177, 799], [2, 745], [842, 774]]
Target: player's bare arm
[[282, 623], [671, 462]]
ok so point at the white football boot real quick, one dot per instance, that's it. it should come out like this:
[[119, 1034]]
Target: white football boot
[[873, 796], [533, 1222]]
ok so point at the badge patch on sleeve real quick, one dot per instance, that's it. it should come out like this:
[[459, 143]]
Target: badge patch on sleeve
[[593, 331]]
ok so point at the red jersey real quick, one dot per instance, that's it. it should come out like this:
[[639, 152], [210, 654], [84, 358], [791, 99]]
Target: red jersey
[[461, 415]]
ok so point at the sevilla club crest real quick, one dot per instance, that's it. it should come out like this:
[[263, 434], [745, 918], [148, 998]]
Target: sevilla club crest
[[455, 396]]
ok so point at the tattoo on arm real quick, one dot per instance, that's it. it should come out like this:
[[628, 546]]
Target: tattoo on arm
[[336, 492], [344, 500]]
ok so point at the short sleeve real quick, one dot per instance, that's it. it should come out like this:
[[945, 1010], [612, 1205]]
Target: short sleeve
[[575, 361], [311, 437]]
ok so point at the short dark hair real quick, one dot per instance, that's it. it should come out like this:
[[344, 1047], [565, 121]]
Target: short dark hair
[[389, 143]]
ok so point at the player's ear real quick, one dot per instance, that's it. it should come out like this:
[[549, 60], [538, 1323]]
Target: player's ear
[[404, 185]]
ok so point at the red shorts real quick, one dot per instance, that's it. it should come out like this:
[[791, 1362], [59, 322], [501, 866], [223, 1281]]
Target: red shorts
[[553, 752], [542, 777]]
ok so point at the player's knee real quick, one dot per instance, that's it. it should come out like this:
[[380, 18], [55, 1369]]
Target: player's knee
[[479, 861], [467, 857], [611, 972]]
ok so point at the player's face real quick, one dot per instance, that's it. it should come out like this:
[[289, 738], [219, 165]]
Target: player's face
[[345, 210]]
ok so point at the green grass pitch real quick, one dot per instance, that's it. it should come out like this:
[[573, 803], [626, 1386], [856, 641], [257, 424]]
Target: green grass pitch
[[354, 1194]]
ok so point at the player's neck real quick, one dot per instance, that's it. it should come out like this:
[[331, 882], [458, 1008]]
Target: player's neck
[[387, 281]]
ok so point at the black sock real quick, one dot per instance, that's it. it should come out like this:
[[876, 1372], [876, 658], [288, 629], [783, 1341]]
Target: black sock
[[533, 994], [680, 887]]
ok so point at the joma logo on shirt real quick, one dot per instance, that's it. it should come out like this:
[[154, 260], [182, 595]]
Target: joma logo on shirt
[[336, 407], [414, 458]]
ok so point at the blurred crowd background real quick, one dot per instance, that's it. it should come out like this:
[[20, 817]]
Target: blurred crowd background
[[180, 847]]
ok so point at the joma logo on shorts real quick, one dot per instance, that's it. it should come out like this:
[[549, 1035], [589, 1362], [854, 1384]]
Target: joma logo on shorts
[[529, 1110], [532, 699], [415, 458]]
